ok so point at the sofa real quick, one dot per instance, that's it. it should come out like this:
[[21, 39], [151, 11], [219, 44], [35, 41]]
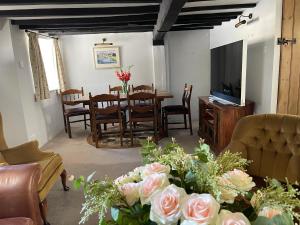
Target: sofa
[[50, 163], [19, 200], [272, 142]]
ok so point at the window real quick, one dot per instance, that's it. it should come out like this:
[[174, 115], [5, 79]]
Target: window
[[49, 59]]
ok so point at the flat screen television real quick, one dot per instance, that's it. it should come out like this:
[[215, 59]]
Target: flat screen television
[[228, 73]]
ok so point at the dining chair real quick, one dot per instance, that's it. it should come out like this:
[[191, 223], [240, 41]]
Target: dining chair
[[142, 113], [105, 109], [143, 88], [183, 109], [70, 100]]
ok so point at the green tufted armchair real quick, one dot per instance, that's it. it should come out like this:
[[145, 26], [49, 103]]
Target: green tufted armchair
[[51, 164], [272, 142]]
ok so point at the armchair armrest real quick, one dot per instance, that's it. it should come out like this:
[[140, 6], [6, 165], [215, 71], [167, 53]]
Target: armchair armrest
[[19, 192], [25, 153]]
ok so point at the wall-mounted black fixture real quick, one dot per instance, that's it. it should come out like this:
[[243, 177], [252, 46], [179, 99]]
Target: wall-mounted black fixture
[[241, 21], [103, 42], [283, 41]]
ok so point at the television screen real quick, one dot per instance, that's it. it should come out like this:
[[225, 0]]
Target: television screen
[[227, 72]]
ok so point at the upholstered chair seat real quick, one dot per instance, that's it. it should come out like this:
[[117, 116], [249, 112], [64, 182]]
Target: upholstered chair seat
[[176, 109], [272, 142]]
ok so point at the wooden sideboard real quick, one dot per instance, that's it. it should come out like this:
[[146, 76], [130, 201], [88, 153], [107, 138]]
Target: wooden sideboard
[[217, 121]]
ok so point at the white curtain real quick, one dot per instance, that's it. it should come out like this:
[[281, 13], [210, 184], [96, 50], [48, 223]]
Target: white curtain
[[38, 70], [60, 66]]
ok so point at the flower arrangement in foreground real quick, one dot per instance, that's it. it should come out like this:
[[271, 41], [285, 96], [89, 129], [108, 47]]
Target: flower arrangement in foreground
[[188, 189], [124, 76]]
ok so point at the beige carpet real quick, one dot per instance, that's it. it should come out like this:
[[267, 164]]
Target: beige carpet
[[80, 158]]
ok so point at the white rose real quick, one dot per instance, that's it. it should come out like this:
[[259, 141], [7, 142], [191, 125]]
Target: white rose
[[228, 192], [136, 173], [155, 168], [131, 192], [150, 185], [165, 205], [120, 181], [241, 180], [200, 209], [228, 218]]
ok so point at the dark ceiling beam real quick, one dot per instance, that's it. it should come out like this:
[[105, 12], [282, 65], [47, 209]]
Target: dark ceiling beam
[[188, 21], [230, 15], [87, 20], [92, 25], [106, 30], [55, 2], [79, 11], [92, 32], [192, 28], [167, 16], [218, 7], [199, 24]]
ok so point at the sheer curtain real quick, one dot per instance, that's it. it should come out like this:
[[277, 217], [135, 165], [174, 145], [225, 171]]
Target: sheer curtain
[[60, 66], [38, 70]]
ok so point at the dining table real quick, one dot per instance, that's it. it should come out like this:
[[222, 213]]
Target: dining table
[[160, 96]]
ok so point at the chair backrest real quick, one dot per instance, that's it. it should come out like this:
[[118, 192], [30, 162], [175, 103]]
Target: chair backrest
[[143, 88], [148, 99], [115, 89], [69, 97], [187, 94], [272, 142], [3, 144], [105, 104]]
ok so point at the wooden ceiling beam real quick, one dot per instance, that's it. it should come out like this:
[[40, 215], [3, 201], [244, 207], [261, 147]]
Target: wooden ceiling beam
[[218, 7], [87, 20], [58, 2], [79, 11], [167, 16], [210, 16], [188, 21]]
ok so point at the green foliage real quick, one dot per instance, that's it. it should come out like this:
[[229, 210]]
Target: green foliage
[[99, 197], [283, 197], [228, 161]]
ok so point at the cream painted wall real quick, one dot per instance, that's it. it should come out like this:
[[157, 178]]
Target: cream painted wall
[[188, 59], [263, 52], [10, 98], [24, 119], [135, 49]]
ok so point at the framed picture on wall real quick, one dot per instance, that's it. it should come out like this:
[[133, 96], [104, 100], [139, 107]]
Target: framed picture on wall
[[107, 57]]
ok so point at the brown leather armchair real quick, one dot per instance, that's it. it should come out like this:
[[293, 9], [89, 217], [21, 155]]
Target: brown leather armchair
[[19, 200], [50, 162], [272, 142]]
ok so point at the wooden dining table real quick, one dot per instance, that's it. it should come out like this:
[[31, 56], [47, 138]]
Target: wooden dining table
[[160, 96]]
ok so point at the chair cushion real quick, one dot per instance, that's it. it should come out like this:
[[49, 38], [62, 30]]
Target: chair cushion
[[113, 116], [49, 167], [76, 111], [17, 221], [177, 109], [142, 115]]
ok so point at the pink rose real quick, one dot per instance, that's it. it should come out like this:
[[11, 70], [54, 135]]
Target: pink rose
[[165, 205], [269, 212], [155, 168], [150, 185], [131, 192], [229, 218], [200, 209]]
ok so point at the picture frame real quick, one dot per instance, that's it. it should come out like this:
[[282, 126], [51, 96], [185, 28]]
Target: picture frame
[[107, 57]]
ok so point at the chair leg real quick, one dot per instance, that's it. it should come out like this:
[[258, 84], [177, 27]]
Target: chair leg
[[69, 127], [185, 123], [63, 176], [166, 124], [105, 126], [190, 122], [44, 209], [155, 131], [66, 129], [131, 134], [121, 132], [84, 117]]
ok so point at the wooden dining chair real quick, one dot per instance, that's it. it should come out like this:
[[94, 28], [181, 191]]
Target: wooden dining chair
[[142, 113], [183, 109], [143, 88], [105, 109], [73, 107]]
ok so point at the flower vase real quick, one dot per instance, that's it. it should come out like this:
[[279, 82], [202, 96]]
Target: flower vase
[[124, 87]]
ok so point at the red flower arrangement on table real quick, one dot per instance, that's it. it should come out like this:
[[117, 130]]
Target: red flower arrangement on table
[[124, 76]]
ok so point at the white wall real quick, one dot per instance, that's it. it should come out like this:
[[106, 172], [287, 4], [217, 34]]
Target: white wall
[[24, 118], [188, 59], [10, 99], [135, 49], [263, 52]]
